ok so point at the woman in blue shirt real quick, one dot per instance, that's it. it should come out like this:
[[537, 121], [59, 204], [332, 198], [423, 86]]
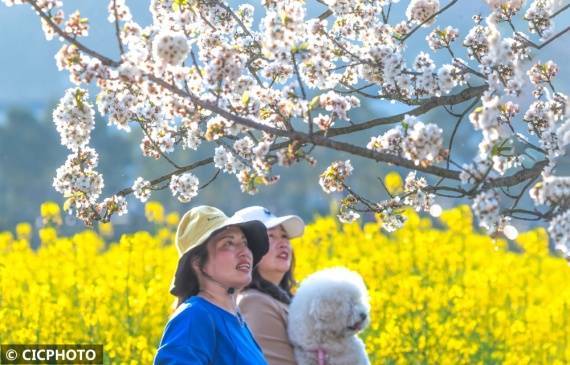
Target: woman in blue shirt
[[217, 255]]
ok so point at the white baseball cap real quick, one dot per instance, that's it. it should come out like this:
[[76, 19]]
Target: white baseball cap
[[292, 224]]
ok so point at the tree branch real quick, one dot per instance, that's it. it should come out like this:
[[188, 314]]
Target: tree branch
[[560, 11], [117, 30], [544, 44], [429, 104], [428, 20], [168, 176], [106, 61]]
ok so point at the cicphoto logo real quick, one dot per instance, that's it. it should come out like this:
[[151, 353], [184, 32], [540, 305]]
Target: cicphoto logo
[[51, 354]]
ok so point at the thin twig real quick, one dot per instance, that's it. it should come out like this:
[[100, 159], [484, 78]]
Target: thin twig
[[106, 61], [426, 106], [460, 118], [156, 147], [211, 180], [544, 44], [117, 29], [428, 20], [560, 11], [168, 176]]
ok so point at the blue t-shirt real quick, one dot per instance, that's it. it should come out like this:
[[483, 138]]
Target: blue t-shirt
[[201, 333]]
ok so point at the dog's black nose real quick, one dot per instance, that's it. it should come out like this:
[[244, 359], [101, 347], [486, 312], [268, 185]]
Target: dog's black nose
[[363, 316]]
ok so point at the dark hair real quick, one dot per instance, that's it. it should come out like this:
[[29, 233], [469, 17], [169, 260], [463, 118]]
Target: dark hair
[[185, 283], [281, 292]]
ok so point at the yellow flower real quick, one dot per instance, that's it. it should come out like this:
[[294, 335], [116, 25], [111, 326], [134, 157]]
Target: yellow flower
[[106, 229], [51, 213], [154, 212], [24, 231], [394, 183], [438, 296], [47, 235], [172, 219]]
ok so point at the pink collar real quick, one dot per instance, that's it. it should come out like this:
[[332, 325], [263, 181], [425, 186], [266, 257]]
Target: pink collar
[[321, 355]]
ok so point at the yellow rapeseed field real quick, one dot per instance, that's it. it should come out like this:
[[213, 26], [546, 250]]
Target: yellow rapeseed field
[[440, 295]]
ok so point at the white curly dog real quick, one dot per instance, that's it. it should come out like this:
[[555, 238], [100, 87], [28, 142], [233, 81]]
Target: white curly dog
[[329, 309]]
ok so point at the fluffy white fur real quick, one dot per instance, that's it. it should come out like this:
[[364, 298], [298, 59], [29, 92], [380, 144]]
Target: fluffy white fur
[[329, 309]]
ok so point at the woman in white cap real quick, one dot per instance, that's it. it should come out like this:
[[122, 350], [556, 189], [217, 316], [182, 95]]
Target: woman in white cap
[[217, 255], [264, 303]]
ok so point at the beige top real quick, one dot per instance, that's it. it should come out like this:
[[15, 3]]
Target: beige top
[[267, 319]]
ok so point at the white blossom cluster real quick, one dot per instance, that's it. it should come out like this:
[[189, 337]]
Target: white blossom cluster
[[332, 179], [415, 140], [77, 25], [224, 66], [498, 4], [184, 186], [440, 38], [337, 104], [416, 194], [57, 18], [477, 41], [218, 127], [117, 105], [494, 120], [559, 230], [142, 189], [118, 10], [539, 117], [538, 17], [423, 143], [170, 48], [552, 190], [548, 119], [542, 72], [421, 10], [389, 142], [475, 171], [114, 204], [74, 119], [391, 214], [449, 76], [346, 212], [281, 27], [323, 121], [487, 210], [78, 180], [192, 136], [82, 68], [227, 161]]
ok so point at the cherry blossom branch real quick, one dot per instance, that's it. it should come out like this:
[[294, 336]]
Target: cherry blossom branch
[[559, 11], [298, 74], [168, 176], [240, 23], [523, 190], [386, 16], [459, 119], [272, 117], [469, 93], [325, 14], [106, 61], [211, 180], [306, 138], [544, 44], [155, 145], [315, 138], [352, 149], [117, 30], [427, 20]]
